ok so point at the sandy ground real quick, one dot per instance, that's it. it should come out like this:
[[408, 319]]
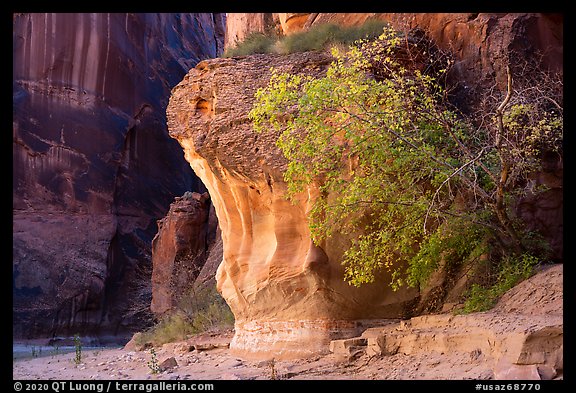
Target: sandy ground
[[540, 295], [217, 364]]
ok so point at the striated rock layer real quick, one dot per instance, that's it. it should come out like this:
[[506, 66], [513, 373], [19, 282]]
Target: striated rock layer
[[287, 295], [522, 337], [93, 165]]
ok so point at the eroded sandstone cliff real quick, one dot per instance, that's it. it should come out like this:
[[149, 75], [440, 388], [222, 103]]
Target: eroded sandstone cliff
[[288, 296], [93, 165]]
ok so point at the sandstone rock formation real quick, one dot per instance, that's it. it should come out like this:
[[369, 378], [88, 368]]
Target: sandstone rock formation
[[522, 337], [93, 165], [179, 249], [287, 295]]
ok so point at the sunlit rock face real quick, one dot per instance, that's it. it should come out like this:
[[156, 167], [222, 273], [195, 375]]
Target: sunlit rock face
[[288, 296], [93, 165]]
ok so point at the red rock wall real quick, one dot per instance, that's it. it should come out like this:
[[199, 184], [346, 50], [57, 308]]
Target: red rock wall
[[93, 165], [179, 250]]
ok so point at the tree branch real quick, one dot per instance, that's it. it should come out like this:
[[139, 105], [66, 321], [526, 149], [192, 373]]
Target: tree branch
[[456, 172]]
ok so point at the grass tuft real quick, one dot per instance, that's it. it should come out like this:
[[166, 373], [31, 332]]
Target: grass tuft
[[317, 38], [200, 310]]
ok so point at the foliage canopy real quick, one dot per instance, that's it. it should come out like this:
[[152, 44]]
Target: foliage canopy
[[400, 172]]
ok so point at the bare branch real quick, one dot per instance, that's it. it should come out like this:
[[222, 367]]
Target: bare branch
[[500, 109], [456, 172]]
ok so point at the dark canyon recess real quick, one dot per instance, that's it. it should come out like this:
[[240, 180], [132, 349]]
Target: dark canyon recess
[[93, 165]]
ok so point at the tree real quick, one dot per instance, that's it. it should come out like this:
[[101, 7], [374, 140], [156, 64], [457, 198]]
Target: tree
[[409, 179]]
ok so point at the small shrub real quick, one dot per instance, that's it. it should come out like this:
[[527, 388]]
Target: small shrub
[[205, 309], [153, 364], [200, 310], [77, 349], [253, 43], [512, 271], [172, 327], [320, 37]]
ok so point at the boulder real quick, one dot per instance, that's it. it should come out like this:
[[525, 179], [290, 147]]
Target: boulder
[[168, 364], [508, 371]]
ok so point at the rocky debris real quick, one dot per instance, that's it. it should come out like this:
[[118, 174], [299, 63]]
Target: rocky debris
[[348, 349], [524, 345], [93, 165]]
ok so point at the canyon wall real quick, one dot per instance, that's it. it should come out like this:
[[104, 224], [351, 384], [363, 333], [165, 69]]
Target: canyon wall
[[483, 43], [93, 165], [288, 295]]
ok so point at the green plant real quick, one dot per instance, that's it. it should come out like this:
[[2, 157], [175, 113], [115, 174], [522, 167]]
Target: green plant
[[153, 364], [512, 270], [318, 37], [199, 310], [253, 43], [77, 349], [170, 328], [402, 175], [323, 36]]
